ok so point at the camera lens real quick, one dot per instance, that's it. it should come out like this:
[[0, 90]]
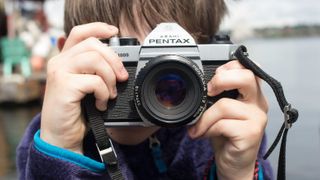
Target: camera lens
[[170, 90]]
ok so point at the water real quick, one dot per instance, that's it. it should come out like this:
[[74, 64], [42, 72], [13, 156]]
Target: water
[[295, 62], [13, 121]]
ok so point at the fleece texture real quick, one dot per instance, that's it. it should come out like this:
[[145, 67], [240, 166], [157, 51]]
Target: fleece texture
[[185, 158]]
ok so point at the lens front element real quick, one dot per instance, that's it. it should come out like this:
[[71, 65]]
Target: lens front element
[[170, 90]]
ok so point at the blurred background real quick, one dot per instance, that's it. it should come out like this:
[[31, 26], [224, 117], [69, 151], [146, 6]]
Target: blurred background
[[282, 36]]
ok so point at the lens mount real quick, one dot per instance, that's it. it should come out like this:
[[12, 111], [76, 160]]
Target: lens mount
[[170, 91]]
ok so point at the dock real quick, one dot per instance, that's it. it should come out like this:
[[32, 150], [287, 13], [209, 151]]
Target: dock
[[19, 89]]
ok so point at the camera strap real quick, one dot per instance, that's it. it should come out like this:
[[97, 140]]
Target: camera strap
[[109, 156], [290, 114], [103, 141]]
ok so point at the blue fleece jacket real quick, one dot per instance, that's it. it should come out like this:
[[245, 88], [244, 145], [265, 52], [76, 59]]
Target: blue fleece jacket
[[185, 158]]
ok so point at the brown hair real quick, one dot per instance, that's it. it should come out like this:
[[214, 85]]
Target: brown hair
[[201, 18]]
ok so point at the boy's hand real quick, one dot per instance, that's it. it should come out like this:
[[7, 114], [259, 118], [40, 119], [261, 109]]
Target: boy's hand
[[84, 66], [234, 126]]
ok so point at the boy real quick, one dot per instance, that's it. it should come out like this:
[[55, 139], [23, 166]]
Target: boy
[[232, 129]]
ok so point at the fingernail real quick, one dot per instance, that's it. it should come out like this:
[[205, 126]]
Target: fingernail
[[192, 131], [101, 106], [123, 71], [113, 28], [209, 85], [115, 92]]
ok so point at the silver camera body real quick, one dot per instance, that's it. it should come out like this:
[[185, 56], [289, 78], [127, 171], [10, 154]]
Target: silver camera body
[[168, 77]]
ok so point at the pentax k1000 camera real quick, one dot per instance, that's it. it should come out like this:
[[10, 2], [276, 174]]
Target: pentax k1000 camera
[[168, 77]]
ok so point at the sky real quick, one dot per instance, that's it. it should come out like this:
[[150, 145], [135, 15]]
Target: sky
[[266, 13]]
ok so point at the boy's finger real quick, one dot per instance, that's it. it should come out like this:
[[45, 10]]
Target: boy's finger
[[95, 29], [88, 83], [241, 79], [93, 63], [235, 64], [242, 134], [93, 44], [225, 108]]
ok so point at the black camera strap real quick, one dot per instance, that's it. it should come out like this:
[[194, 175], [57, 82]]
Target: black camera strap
[[290, 114], [103, 141]]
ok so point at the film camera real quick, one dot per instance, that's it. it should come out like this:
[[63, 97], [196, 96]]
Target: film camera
[[168, 77]]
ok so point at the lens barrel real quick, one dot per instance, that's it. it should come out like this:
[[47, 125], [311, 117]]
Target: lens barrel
[[170, 91]]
